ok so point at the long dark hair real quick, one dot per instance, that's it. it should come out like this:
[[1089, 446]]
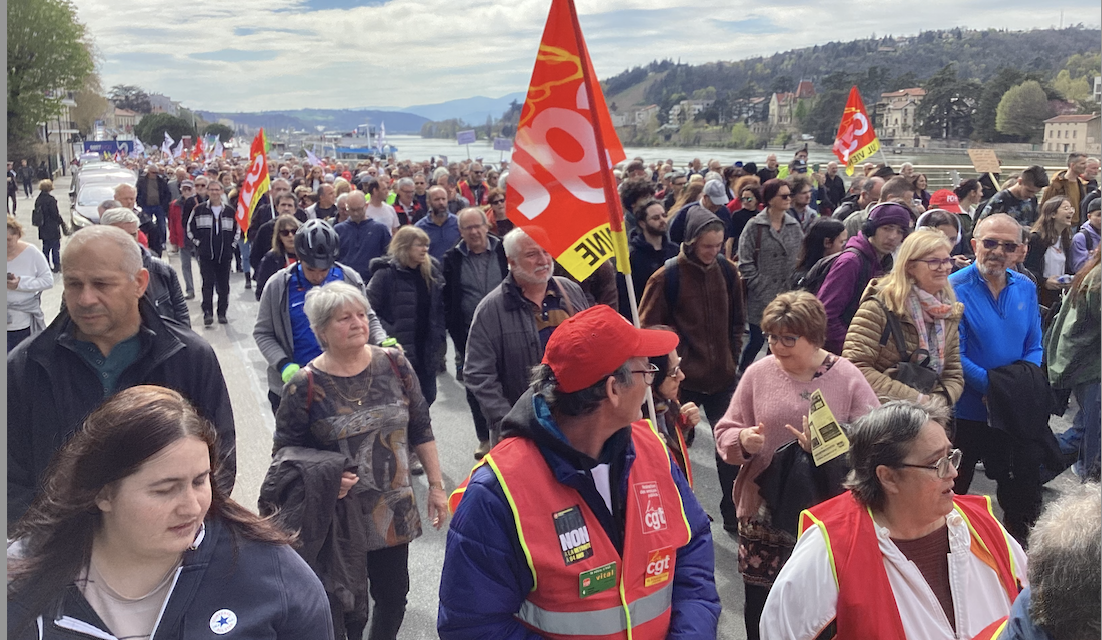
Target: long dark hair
[[1045, 225], [812, 249], [117, 438]]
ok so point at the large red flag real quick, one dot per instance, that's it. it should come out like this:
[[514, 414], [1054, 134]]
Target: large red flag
[[256, 182], [856, 140], [561, 178]]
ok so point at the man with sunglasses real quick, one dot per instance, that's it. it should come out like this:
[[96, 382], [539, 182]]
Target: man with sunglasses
[[474, 189], [580, 514], [1001, 325]]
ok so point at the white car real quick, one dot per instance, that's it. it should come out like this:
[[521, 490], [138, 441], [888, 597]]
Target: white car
[[91, 193]]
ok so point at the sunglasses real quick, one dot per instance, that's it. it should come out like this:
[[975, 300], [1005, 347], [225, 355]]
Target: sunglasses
[[1008, 246], [784, 196], [498, 201], [286, 233]]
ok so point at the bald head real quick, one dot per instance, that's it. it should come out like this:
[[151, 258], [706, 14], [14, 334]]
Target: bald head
[[356, 203], [108, 239], [126, 195]]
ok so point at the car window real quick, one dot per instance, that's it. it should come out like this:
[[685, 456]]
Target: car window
[[93, 194]]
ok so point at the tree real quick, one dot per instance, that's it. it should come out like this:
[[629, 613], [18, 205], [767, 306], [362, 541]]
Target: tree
[[950, 103], [151, 130], [984, 120], [826, 113], [782, 84], [1022, 111], [1073, 89], [48, 52], [742, 137], [223, 132], [127, 96], [90, 105]]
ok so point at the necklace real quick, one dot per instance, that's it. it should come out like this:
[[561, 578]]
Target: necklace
[[363, 387]]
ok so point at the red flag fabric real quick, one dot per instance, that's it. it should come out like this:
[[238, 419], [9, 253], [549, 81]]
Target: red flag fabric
[[856, 140], [256, 182], [197, 152], [560, 178]]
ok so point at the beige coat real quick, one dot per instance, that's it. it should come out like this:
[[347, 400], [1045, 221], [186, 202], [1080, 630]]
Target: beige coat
[[878, 362]]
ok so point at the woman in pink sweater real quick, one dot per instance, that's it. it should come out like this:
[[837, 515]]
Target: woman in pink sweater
[[768, 410]]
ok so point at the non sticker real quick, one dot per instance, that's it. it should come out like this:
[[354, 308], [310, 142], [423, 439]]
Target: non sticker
[[573, 535], [650, 506], [597, 580], [658, 566]]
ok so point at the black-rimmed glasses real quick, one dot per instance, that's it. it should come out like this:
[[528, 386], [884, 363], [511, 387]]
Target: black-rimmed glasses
[[788, 341], [648, 373], [937, 263], [942, 466]]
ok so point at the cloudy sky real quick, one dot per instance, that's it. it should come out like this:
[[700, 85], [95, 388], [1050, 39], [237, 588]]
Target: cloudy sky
[[245, 55]]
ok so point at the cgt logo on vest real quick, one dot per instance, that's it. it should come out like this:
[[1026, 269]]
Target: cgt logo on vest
[[649, 502], [658, 566]]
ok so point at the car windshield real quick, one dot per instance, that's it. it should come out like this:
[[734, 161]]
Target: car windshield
[[93, 194]]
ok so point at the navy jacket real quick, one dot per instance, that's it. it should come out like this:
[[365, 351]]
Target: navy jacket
[[486, 577], [362, 242], [267, 590]]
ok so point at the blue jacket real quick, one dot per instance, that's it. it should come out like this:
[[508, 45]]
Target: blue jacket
[[1020, 625], [441, 237], [993, 333], [486, 577], [362, 242], [272, 594]]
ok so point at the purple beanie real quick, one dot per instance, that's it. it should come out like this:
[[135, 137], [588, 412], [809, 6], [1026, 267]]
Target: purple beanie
[[891, 213]]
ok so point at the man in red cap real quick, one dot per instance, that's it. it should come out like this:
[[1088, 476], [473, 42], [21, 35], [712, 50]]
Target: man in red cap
[[579, 514]]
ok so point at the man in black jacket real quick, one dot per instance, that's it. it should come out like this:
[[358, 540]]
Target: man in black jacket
[[649, 247], [164, 290], [213, 231], [472, 268], [107, 339], [153, 197]]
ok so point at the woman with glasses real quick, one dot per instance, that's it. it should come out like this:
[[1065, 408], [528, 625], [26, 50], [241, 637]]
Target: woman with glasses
[[675, 421], [917, 300], [899, 555], [748, 197], [1049, 255], [767, 252], [768, 410], [282, 253], [499, 223]]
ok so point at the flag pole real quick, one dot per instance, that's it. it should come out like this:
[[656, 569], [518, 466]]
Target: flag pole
[[611, 197]]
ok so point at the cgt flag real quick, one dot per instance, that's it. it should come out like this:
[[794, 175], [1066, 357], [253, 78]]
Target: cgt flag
[[256, 181], [856, 140], [561, 175]]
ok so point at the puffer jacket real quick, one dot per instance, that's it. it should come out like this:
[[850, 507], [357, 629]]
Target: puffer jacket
[[392, 292], [849, 274], [879, 361], [766, 259]]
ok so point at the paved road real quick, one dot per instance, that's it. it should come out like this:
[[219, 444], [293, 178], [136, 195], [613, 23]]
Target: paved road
[[244, 371]]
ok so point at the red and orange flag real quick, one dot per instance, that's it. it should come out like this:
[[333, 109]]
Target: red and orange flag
[[561, 177], [256, 182], [856, 140]]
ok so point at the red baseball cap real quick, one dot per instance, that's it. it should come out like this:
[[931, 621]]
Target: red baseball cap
[[945, 199], [592, 344]]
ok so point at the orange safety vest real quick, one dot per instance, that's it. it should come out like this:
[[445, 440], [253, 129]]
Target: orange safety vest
[[582, 587], [993, 631], [866, 606]]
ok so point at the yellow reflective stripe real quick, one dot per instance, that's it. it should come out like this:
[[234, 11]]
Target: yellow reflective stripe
[[488, 459], [680, 502], [624, 604], [999, 630], [455, 497], [600, 622], [1006, 536], [976, 536], [826, 539]]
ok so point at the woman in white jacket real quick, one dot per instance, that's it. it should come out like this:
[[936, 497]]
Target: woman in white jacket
[[899, 555]]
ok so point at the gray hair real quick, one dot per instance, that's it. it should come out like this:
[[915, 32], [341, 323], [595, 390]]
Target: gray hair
[[341, 198], [108, 204], [884, 436], [130, 252], [1065, 565], [511, 242], [468, 210], [712, 175], [123, 186], [404, 182], [440, 171], [579, 403], [323, 302], [119, 215]]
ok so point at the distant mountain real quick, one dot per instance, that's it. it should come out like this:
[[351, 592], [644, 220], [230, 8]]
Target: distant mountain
[[471, 110], [332, 119]]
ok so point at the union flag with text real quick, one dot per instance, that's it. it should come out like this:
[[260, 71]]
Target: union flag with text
[[856, 140], [561, 178], [256, 181]]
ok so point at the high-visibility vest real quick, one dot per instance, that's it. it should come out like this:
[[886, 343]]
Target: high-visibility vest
[[993, 631], [866, 605], [581, 586]]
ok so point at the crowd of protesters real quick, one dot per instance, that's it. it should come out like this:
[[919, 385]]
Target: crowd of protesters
[[967, 314]]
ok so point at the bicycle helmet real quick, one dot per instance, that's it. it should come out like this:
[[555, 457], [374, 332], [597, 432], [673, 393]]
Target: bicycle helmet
[[317, 245]]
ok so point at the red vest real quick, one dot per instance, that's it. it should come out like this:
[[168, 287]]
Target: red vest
[[583, 589], [866, 605], [993, 631]]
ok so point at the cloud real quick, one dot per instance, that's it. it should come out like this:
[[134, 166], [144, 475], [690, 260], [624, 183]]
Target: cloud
[[248, 55]]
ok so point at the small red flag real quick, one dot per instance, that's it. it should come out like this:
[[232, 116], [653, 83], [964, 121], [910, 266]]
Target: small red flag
[[856, 140], [561, 177], [256, 182]]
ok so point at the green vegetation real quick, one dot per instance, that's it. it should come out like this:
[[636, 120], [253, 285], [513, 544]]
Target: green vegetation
[[223, 132], [1022, 111], [151, 130]]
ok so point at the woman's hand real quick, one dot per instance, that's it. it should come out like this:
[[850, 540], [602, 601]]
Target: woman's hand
[[961, 261], [751, 439], [691, 413], [438, 506], [1053, 283], [801, 435], [348, 480], [13, 282]]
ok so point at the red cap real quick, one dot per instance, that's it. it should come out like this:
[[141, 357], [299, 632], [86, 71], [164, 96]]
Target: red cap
[[945, 199], [592, 344]]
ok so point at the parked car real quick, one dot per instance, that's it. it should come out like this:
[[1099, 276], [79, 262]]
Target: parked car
[[84, 206]]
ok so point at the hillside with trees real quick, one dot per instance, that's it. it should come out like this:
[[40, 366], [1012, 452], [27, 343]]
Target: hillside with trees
[[966, 74]]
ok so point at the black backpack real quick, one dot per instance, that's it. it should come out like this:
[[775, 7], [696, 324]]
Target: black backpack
[[812, 281]]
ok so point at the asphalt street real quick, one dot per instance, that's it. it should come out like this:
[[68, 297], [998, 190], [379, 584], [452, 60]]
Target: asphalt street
[[244, 370]]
